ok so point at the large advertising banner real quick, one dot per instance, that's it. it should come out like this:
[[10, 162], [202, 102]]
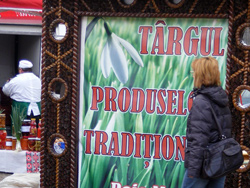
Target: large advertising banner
[[135, 97]]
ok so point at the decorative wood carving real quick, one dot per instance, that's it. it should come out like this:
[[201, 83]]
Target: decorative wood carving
[[60, 61]]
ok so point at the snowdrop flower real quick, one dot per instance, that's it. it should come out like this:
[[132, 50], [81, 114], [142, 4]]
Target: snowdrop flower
[[113, 56]]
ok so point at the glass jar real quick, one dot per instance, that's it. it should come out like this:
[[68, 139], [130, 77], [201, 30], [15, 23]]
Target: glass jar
[[25, 129], [31, 144], [24, 143], [8, 142], [38, 144], [33, 129], [39, 129], [3, 135], [13, 143], [2, 120]]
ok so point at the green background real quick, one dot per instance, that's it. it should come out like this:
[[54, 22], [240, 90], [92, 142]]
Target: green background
[[159, 72]]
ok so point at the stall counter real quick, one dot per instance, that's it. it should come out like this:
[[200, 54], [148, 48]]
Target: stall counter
[[19, 161]]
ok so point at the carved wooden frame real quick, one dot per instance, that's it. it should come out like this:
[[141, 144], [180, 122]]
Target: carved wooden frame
[[60, 60]]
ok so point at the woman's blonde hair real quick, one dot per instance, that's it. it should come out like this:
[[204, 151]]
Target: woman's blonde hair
[[206, 72]]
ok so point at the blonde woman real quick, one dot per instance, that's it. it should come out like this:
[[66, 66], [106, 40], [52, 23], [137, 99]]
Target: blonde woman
[[201, 126]]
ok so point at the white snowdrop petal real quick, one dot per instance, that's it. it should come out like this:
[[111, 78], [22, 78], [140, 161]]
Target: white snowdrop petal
[[131, 50], [118, 60], [105, 61]]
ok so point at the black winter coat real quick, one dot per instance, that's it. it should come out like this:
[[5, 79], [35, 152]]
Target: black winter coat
[[201, 126]]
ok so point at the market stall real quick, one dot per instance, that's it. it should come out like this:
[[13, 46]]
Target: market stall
[[20, 155], [20, 38]]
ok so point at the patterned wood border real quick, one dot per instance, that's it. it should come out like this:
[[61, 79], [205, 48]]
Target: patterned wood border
[[60, 61]]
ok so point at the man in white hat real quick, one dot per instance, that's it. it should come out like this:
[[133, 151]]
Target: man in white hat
[[25, 90]]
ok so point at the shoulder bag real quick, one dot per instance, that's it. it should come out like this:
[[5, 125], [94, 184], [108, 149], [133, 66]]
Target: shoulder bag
[[221, 157]]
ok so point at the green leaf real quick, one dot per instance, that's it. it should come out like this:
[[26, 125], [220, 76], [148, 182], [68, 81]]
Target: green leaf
[[1, 111], [17, 118], [108, 179], [175, 175]]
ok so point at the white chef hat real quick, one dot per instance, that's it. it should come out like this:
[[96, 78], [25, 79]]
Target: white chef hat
[[23, 64]]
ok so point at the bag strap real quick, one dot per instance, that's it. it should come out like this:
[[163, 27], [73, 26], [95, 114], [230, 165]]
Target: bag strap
[[221, 136]]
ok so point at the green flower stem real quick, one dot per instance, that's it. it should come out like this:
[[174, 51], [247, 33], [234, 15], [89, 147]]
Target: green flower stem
[[107, 28]]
